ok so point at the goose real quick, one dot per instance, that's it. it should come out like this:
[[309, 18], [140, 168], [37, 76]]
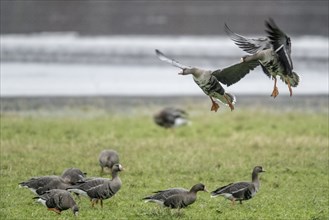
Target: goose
[[58, 200], [73, 175], [176, 198], [107, 158], [209, 81], [272, 52], [99, 189], [240, 191], [40, 184], [171, 118]]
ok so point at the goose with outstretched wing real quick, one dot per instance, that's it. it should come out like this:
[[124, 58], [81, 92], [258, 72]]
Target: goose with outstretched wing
[[272, 52], [209, 81]]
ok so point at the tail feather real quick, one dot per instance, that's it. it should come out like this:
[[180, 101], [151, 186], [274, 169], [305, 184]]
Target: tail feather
[[295, 80], [232, 98]]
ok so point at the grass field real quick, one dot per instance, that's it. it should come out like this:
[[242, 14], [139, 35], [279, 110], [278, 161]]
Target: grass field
[[216, 149]]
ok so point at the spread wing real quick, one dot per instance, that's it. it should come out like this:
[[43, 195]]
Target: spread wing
[[171, 61], [281, 44], [249, 45], [234, 73]]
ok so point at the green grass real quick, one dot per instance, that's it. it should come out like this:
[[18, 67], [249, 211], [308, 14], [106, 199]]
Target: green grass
[[216, 149]]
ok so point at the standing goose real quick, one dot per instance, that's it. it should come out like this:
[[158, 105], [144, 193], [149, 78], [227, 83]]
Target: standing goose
[[272, 52], [58, 200], [39, 185], [171, 118], [100, 188], [209, 81], [176, 198], [107, 158], [240, 190]]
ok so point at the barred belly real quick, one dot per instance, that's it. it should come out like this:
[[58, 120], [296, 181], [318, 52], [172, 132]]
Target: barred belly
[[210, 87], [272, 64]]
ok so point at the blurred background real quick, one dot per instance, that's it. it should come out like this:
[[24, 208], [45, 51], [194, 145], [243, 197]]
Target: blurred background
[[88, 47]]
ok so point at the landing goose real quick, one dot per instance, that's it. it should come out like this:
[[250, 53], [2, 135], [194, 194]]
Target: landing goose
[[171, 118], [209, 81], [107, 158], [272, 52], [58, 200], [240, 191], [99, 189], [176, 198]]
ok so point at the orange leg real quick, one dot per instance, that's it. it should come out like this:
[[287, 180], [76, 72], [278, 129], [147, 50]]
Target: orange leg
[[229, 103], [93, 202], [54, 210], [275, 92], [289, 86], [214, 106]]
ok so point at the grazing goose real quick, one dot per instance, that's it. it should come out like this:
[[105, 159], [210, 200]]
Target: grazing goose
[[54, 184], [272, 52], [58, 200], [99, 188], [73, 176], [241, 190], [39, 185], [107, 158], [171, 118], [35, 183], [176, 198], [209, 81]]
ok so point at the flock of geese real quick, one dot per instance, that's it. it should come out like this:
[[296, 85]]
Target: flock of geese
[[54, 192], [272, 53]]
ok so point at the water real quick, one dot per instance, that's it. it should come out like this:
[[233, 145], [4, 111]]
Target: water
[[68, 64]]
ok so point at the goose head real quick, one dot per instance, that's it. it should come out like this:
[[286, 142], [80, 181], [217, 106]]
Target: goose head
[[75, 210], [258, 169], [117, 167], [194, 71], [198, 187]]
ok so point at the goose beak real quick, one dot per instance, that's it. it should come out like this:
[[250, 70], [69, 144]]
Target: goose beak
[[205, 190]]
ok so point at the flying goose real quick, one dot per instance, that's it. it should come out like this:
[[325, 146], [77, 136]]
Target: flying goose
[[58, 200], [107, 158], [176, 198], [209, 81], [171, 118], [100, 188], [39, 185], [272, 52], [240, 190]]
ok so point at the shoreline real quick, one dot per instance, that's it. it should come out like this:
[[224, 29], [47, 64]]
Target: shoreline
[[311, 102]]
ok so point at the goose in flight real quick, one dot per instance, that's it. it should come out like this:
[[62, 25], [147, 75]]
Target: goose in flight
[[210, 81], [272, 52]]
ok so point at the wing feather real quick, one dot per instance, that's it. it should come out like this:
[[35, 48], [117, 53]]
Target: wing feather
[[171, 61], [249, 45], [234, 73], [281, 44]]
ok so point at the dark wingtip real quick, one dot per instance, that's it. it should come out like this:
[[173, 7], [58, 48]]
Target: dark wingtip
[[227, 29]]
